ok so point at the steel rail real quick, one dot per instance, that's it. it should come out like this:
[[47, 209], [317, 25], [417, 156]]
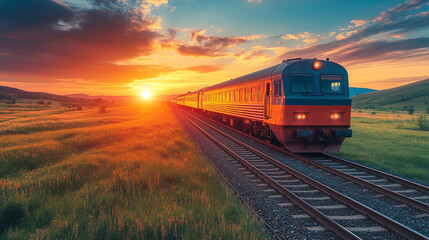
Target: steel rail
[[405, 182], [382, 190], [378, 217], [319, 216]]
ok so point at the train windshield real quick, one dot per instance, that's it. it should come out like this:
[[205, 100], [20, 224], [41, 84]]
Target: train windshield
[[302, 83], [331, 83]]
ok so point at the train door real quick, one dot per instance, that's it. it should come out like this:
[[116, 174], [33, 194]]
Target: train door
[[267, 101]]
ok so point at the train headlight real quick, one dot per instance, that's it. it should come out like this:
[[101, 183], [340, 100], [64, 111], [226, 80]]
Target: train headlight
[[336, 116], [317, 65], [300, 116]]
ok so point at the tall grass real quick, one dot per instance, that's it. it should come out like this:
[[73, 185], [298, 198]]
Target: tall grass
[[129, 173], [391, 142]]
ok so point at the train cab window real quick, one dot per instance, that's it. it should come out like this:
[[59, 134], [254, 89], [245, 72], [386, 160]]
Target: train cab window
[[277, 88], [331, 83], [302, 83]]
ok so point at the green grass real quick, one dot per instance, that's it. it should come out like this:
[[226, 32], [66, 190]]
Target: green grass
[[391, 142], [130, 173]]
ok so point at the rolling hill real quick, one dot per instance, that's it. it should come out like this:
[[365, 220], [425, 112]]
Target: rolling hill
[[400, 98], [357, 91], [9, 93]]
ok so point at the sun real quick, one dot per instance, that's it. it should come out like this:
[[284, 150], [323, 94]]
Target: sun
[[145, 94]]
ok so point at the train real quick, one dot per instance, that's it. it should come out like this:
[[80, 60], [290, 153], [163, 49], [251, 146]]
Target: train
[[303, 105]]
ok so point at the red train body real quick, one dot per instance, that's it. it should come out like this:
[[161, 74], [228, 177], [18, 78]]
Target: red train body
[[302, 104]]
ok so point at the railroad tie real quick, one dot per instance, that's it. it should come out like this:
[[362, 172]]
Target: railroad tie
[[423, 215], [285, 204], [338, 206]]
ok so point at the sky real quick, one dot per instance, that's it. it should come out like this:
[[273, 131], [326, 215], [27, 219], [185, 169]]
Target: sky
[[124, 47]]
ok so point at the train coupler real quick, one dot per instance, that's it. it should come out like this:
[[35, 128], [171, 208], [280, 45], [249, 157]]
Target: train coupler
[[325, 138]]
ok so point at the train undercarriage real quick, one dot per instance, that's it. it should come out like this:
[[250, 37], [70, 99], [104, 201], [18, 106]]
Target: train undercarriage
[[293, 138]]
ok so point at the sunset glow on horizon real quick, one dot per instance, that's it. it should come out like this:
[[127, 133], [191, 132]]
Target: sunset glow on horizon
[[110, 47], [146, 95]]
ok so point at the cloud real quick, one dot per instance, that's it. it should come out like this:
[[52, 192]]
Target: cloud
[[290, 36], [358, 23], [345, 35], [381, 50], [28, 14], [256, 52], [172, 33], [305, 37], [212, 46], [51, 39], [255, 1], [205, 68], [354, 46]]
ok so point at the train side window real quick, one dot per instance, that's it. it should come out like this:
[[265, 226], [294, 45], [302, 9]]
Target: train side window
[[246, 95], [252, 94], [302, 83], [260, 93], [241, 95], [332, 83], [277, 88], [235, 96]]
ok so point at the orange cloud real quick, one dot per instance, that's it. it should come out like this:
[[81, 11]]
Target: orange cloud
[[205, 68], [305, 37], [211, 46]]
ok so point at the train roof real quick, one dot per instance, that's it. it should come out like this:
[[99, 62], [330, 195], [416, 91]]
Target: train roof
[[270, 72], [273, 71]]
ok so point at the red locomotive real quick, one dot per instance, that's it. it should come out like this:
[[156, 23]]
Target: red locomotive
[[302, 104]]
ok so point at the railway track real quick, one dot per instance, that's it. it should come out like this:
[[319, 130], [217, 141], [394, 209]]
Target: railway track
[[410, 193], [405, 191], [320, 202]]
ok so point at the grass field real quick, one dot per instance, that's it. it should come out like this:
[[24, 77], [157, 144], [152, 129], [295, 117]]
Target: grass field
[[389, 141], [129, 173]]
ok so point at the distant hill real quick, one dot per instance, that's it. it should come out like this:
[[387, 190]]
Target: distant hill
[[79, 95], [15, 93], [357, 91], [110, 98], [400, 98], [9, 93]]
